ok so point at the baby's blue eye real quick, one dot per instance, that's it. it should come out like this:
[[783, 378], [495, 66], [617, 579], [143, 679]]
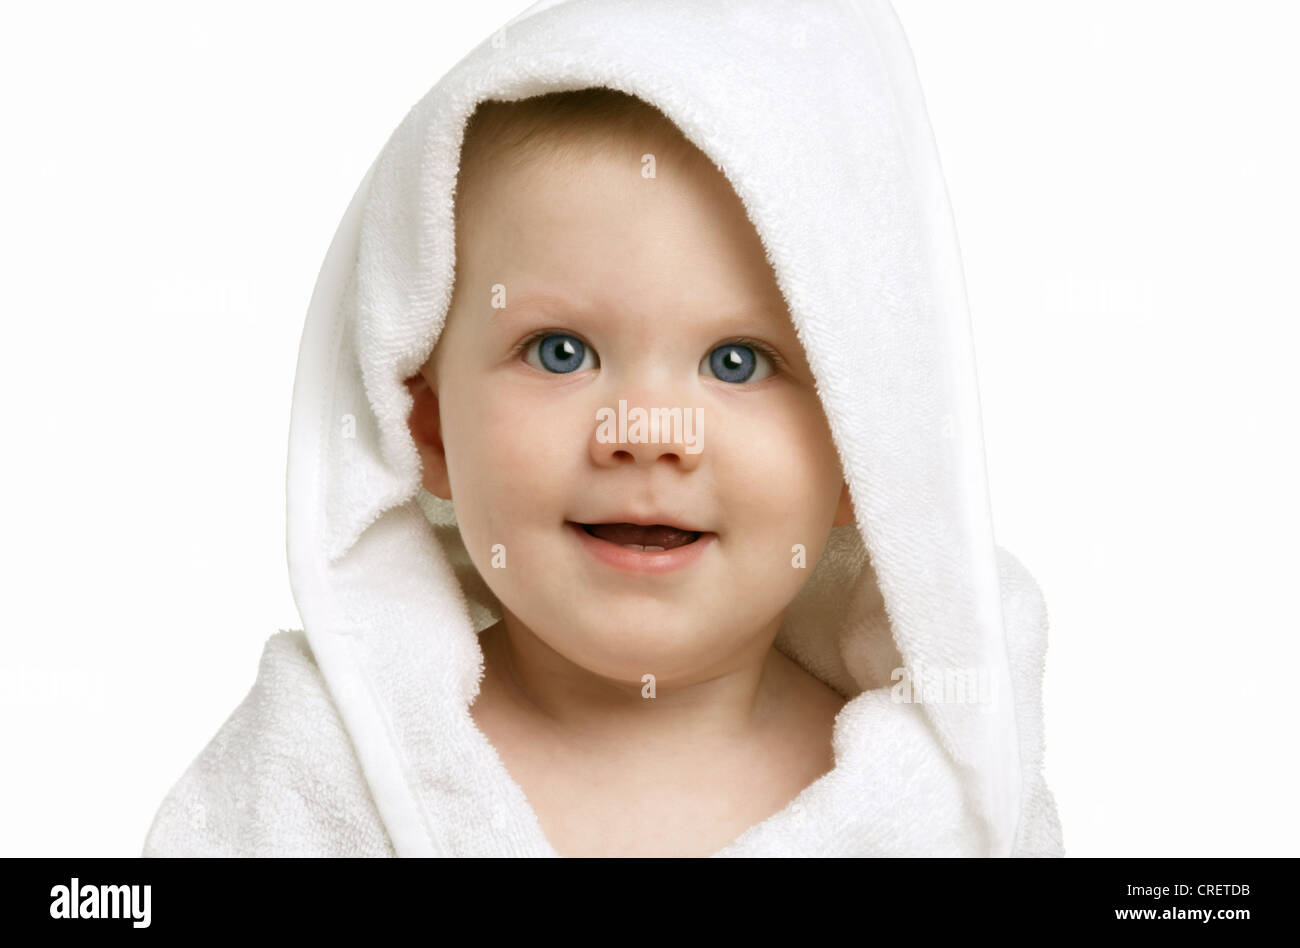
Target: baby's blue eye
[[734, 362], [560, 353]]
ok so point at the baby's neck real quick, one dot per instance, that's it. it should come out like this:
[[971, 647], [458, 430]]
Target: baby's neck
[[657, 784], [720, 710]]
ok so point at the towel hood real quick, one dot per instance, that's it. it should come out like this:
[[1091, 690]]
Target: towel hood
[[814, 113]]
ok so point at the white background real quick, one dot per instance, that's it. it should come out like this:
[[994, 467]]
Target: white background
[[1123, 176]]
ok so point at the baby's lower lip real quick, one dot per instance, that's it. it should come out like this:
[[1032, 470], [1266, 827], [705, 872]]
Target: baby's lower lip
[[631, 559]]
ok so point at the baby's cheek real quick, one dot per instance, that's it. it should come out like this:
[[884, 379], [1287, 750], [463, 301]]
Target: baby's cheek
[[813, 448], [489, 438], [519, 469], [776, 461], [779, 486]]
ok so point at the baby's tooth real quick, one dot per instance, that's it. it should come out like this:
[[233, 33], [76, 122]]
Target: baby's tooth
[[654, 549], [633, 546]]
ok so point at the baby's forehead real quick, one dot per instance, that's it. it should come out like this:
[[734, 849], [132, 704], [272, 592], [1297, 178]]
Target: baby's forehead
[[606, 191], [586, 219], [586, 164], [551, 142]]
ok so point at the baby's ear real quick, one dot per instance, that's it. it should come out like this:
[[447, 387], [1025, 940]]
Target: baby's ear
[[844, 513], [426, 430]]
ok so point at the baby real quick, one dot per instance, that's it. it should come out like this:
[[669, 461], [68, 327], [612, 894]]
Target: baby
[[636, 346], [605, 268]]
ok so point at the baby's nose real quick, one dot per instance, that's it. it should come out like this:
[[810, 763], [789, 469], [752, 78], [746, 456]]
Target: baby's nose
[[641, 433]]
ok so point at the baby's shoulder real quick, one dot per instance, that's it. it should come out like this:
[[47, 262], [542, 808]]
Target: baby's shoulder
[[280, 777]]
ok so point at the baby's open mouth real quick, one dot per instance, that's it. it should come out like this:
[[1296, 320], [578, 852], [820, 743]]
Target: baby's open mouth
[[655, 538]]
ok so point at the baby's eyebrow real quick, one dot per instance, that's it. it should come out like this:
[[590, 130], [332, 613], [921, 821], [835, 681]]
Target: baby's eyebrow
[[553, 302], [756, 316], [544, 302]]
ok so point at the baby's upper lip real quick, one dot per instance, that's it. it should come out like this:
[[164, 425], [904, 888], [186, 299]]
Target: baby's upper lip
[[643, 519]]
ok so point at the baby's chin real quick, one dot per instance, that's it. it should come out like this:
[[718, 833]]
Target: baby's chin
[[626, 647]]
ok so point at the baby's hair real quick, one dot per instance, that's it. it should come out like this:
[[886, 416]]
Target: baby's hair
[[562, 125]]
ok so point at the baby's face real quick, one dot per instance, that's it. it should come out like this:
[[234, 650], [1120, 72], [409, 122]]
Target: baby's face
[[620, 288]]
